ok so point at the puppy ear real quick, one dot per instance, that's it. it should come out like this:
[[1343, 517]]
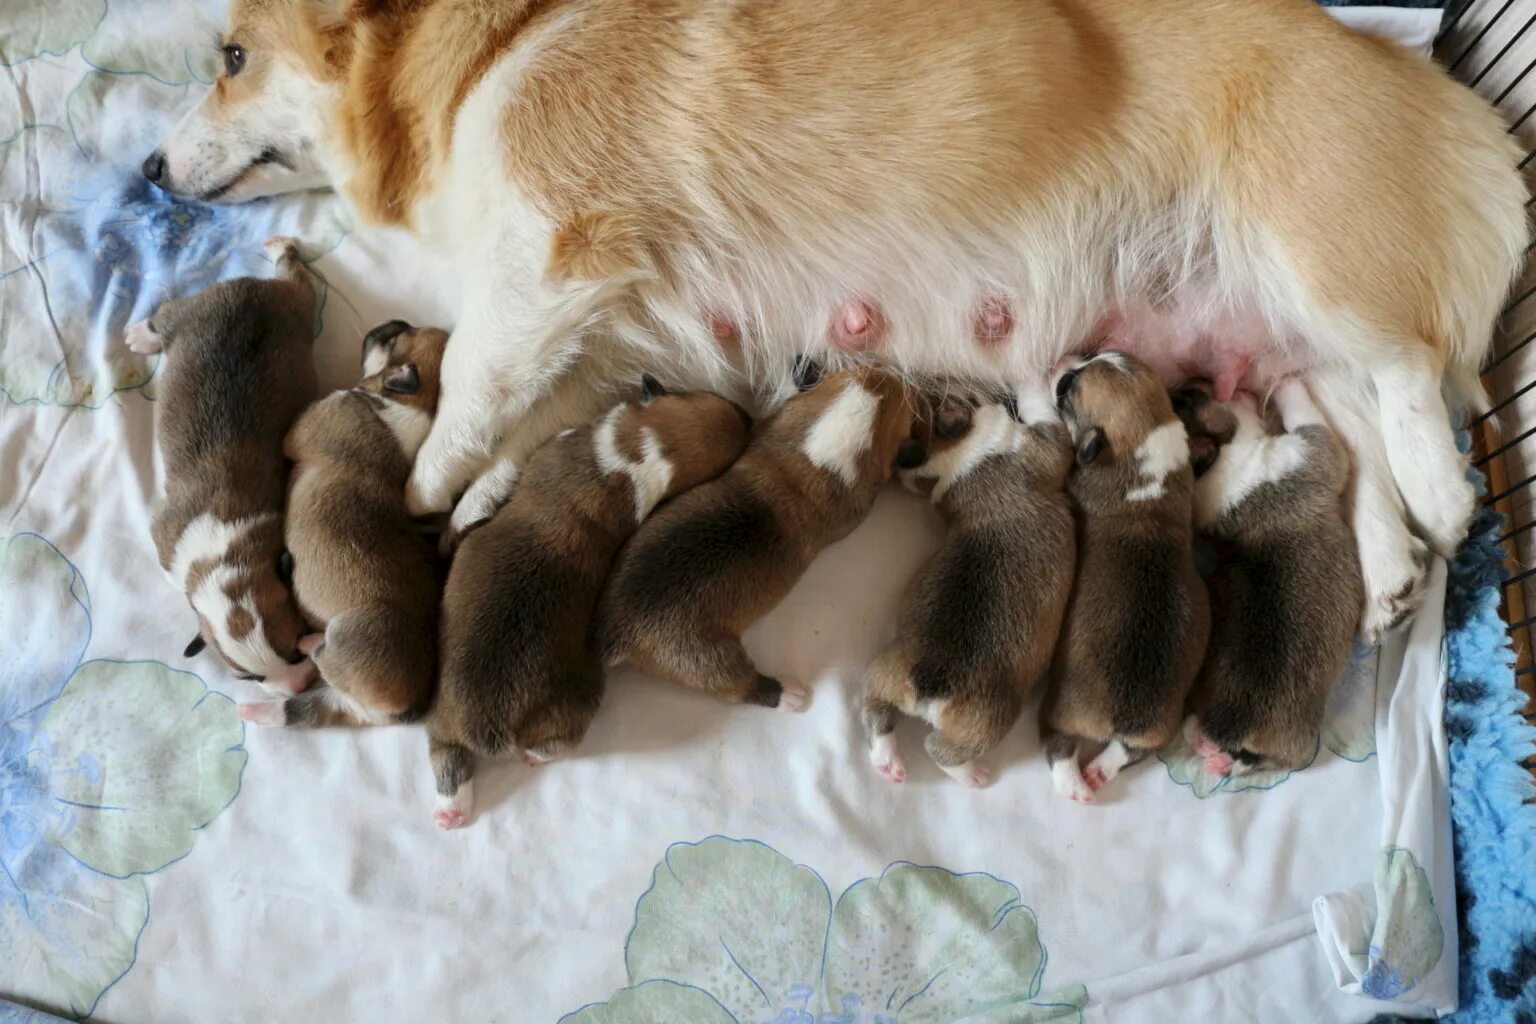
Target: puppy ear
[[911, 454], [1202, 454], [650, 387], [807, 373], [402, 380], [951, 419], [285, 567], [1011, 406], [1091, 445], [195, 647]]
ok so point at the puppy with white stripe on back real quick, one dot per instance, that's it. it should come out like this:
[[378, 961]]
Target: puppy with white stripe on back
[[979, 623], [1287, 590], [238, 370], [717, 559], [519, 669], [363, 576], [1137, 623]]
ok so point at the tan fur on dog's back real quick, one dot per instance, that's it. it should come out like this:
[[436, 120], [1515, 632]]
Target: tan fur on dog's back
[[945, 136]]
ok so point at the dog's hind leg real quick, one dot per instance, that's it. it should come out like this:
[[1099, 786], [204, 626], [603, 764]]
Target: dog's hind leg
[[1111, 761], [1066, 775], [1430, 471], [453, 769], [886, 690], [966, 728]]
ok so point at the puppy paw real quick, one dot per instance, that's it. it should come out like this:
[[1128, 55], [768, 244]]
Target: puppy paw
[[1219, 763], [1069, 782], [449, 817], [262, 712], [1394, 589], [792, 696], [1094, 777], [279, 246], [141, 338], [972, 774], [426, 497], [295, 680], [883, 755], [532, 759], [309, 643]]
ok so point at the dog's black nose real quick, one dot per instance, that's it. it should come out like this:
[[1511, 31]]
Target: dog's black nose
[[154, 167]]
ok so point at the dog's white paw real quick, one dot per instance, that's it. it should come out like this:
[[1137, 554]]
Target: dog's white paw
[[1069, 782], [1394, 577], [453, 811], [426, 495], [973, 774], [1444, 512], [883, 755], [262, 712], [140, 338]]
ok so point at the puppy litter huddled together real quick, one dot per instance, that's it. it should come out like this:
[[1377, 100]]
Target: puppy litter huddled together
[[1074, 508]]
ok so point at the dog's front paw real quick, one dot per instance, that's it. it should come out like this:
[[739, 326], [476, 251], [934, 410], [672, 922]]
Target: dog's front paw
[[1394, 586], [141, 338], [279, 246], [1445, 518], [426, 495]]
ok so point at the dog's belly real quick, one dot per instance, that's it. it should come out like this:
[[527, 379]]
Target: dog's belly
[[1233, 348]]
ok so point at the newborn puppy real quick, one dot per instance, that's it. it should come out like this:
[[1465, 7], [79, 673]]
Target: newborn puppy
[[1287, 590], [362, 574], [519, 670], [714, 561], [238, 369], [979, 623], [1136, 626]]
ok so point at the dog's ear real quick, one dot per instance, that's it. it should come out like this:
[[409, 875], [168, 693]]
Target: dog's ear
[[1202, 453], [951, 419], [807, 373], [195, 647], [402, 380], [1091, 445], [285, 567], [1010, 402], [650, 387]]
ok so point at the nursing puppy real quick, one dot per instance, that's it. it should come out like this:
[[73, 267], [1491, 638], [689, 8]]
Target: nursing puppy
[[717, 559], [519, 668], [1286, 592], [979, 623], [238, 369], [363, 576], [1136, 627]]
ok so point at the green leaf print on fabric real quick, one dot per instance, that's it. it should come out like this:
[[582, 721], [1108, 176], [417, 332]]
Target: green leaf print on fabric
[[1409, 936], [733, 931]]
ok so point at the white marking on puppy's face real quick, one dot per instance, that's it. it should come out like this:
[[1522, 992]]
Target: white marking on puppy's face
[[843, 433], [408, 423], [650, 477], [993, 432], [214, 604], [1165, 450]]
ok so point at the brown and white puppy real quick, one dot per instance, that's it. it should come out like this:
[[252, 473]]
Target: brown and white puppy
[[519, 669], [363, 576], [717, 559], [1286, 592], [1136, 626], [238, 369], [979, 623]]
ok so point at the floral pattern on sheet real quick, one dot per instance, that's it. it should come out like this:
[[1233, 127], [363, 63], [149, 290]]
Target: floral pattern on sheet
[[109, 770], [1409, 936], [1349, 732], [731, 931], [91, 246]]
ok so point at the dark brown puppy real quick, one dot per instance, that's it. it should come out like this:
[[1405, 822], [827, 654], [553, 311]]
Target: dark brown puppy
[[1136, 626], [979, 623], [362, 574], [519, 669], [717, 559], [238, 369], [1287, 591]]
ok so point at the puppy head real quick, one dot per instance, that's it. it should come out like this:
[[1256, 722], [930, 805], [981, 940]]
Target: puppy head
[[246, 613], [1111, 402], [698, 433], [1209, 423], [402, 370]]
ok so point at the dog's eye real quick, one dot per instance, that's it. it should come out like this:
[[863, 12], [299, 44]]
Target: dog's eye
[[234, 58]]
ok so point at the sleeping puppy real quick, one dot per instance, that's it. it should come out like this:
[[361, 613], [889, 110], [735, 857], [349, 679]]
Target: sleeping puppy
[[363, 576], [1286, 593], [979, 623], [1136, 626], [519, 670], [711, 563], [238, 369]]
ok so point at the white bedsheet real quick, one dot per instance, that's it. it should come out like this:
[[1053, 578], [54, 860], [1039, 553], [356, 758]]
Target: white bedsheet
[[694, 862]]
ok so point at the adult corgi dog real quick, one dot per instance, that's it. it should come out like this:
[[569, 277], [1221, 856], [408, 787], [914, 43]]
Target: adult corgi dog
[[970, 189]]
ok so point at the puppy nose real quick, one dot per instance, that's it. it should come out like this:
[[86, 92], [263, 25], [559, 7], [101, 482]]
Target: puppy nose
[[154, 167]]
